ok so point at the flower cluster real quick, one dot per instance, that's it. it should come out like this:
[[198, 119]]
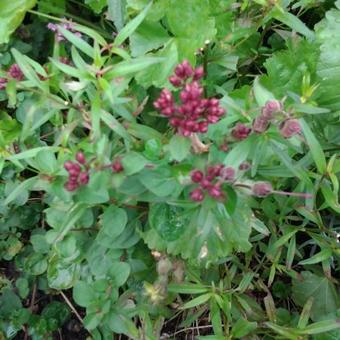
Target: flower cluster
[[240, 131], [288, 128], [77, 177], [67, 26], [211, 182], [195, 112], [13, 72]]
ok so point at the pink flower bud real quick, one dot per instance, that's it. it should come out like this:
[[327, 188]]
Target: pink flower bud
[[244, 166], [117, 166], [70, 186], [240, 131], [290, 128], [175, 81], [3, 83], [228, 174], [260, 124], [15, 72], [203, 127], [262, 189], [68, 165], [215, 192], [197, 195], [198, 73], [270, 108], [206, 183], [80, 158], [84, 178], [196, 176]]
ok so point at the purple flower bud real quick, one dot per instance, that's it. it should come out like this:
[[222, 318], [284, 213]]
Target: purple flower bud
[[228, 174], [80, 158], [15, 72], [117, 166], [84, 178], [260, 124], [203, 127], [270, 108], [3, 83], [68, 165], [262, 189], [175, 81], [240, 131], [290, 128], [206, 183], [70, 186], [215, 192], [196, 176], [198, 73], [52, 27], [244, 166], [197, 195]]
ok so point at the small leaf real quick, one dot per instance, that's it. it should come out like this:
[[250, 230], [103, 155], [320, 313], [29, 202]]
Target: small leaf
[[319, 257], [179, 147], [83, 294], [262, 95], [197, 301], [133, 162], [131, 26], [242, 327], [322, 327]]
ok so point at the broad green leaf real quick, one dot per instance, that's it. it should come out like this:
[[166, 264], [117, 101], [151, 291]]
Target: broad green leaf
[[326, 298], [23, 186], [114, 221], [12, 14], [133, 162], [179, 147], [242, 327], [83, 294]]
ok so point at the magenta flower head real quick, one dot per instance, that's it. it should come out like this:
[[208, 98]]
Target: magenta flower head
[[290, 128], [67, 26], [15, 72], [240, 131], [262, 189], [3, 83], [270, 108], [260, 124]]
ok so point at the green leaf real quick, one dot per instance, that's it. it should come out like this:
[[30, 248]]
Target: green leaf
[[120, 324], [305, 314], [262, 95], [315, 147], [179, 147], [169, 221], [131, 26], [319, 257], [114, 221], [83, 294], [127, 68], [12, 14], [133, 162], [148, 36], [322, 327], [120, 271], [23, 186], [116, 12], [81, 44], [187, 288], [242, 327], [326, 299], [293, 22], [197, 301]]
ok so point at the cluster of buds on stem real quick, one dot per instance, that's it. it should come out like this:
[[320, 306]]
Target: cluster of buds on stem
[[211, 182], [67, 26], [78, 172], [288, 127], [117, 166], [195, 113], [13, 72]]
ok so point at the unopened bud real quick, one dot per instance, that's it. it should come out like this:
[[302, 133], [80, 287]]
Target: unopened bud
[[262, 189], [290, 128]]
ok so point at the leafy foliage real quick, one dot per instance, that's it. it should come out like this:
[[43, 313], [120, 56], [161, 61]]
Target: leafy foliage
[[166, 164]]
